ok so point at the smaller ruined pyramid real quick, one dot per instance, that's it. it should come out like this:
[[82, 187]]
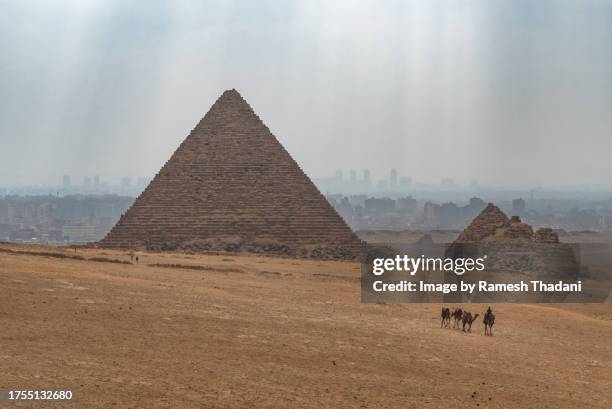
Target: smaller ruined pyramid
[[231, 186], [493, 226], [510, 247]]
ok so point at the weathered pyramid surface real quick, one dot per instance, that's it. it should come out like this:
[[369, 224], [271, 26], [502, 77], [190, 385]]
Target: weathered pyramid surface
[[231, 186], [546, 235], [485, 224]]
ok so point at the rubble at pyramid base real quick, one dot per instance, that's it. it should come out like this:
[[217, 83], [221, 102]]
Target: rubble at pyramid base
[[346, 251]]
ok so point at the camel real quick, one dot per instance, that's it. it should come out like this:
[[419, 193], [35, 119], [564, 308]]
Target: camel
[[457, 314], [446, 314], [467, 319], [488, 321]]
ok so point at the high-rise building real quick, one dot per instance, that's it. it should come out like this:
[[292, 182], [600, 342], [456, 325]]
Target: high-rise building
[[339, 175], [96, 181], [87, 181], [353, 176], [367, 178], [393, 179], [518, 207], [477, 202], [66, 181]]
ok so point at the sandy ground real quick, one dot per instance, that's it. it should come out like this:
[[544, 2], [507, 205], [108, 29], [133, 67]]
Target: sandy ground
[[245, 331]]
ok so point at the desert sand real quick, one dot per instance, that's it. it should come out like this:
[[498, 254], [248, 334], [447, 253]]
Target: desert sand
[[229, 331]]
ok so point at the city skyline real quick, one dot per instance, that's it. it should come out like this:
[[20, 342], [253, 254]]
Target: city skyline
[[358, 179]]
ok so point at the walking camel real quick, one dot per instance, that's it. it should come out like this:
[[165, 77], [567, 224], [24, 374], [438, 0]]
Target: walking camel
[[446, 314], [457, 314], [467, 320]]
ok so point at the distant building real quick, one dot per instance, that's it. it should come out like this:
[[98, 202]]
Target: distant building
[[66, 181], [405, 182], [430, 213], [379, 205], [406, 204], [353, 176], [44, 214], [393, 179], [334, 199], [472, 210], [358, 200], [87, 182], [448, 214], [27, 235], [367, 178], [96, 181], [339, 175], [82, 234], [518, 207], [477, 202]]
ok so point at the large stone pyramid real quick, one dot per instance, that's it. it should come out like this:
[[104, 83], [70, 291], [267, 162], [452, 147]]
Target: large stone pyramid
[[231, 186]]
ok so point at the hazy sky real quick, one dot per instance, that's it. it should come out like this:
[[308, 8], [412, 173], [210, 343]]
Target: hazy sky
[[506, 92]]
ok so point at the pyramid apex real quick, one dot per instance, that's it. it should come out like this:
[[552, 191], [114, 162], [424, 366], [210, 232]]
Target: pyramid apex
[[231, 93], [489, 210], [231, 97]]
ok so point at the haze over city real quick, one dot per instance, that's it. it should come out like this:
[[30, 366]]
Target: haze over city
[[509, 93]]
